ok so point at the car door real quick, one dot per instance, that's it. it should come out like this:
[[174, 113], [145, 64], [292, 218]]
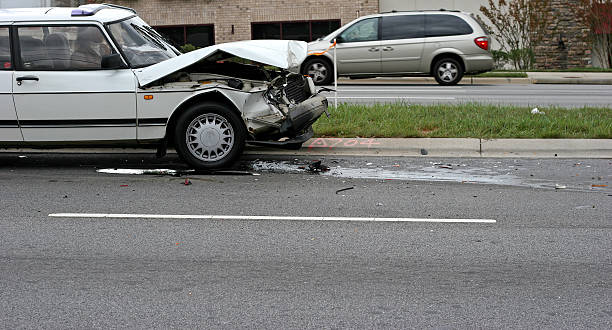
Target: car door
[[359, 48], [403, 40], [61, 91], [9, 128]]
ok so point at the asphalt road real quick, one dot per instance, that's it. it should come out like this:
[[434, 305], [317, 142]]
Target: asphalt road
[[545, 263], [507, 94]]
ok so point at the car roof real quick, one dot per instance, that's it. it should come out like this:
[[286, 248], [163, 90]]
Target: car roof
[[414, 12], [101, 13]]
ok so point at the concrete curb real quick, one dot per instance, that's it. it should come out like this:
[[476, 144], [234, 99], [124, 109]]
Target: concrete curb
[[409, 147], [434, 147]]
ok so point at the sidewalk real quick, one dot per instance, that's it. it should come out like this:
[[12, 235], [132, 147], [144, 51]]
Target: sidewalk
[[579, 78]]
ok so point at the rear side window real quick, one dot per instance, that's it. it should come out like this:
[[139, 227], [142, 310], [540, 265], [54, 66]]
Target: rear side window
[[5, 49], [62, 48], [445, 25], [403, 27]]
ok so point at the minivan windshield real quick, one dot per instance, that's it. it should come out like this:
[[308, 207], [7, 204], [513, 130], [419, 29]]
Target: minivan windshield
[[142, 45]]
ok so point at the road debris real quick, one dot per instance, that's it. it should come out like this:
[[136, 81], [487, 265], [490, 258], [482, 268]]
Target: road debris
[[424, 152], [584, 207], [560, 186], [599, 185], [380, 204], [536, 111], [187, 182], [344, 189], [317, 167]]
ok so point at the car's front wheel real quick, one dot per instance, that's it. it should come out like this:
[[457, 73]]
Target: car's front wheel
[[448, 72], [209, 136], [320, 70]]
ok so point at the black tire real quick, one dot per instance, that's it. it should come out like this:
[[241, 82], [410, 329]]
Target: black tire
[[209, 147], [320, 69], [448, 71]]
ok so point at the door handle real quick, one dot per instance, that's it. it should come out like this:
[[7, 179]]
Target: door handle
[[386, 49], [21, 79], [373, 49]]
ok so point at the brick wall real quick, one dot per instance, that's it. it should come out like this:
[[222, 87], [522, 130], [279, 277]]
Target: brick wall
[[241, 13], [566, 43]]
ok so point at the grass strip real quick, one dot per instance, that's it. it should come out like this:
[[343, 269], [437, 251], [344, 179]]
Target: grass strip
[[399, 120]]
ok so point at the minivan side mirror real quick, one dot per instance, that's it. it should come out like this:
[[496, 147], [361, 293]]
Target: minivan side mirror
[[113, 61], [339, 40]]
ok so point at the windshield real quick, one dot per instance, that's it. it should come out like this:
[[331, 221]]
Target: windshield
[[142, 45]]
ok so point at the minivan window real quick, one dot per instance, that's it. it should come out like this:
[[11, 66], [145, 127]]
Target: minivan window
[[445, 25], [403, 27], [5, 49], [366, 30], [63, 48]]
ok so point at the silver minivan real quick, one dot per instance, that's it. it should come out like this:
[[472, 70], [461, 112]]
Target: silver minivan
[[443, 44]]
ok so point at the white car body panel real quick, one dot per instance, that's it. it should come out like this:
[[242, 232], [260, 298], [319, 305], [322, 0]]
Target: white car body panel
[[285, 54], [104, 96], [9, 129]]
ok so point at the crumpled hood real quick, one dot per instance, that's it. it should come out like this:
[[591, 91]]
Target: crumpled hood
[[285, 54]]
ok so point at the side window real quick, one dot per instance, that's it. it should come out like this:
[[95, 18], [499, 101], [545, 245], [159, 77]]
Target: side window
[[62, 48], [445, 25], [366, 30], [5, 49], [403, 27]]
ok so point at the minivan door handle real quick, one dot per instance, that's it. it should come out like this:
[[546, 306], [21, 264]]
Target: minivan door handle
[[386, 49], [20, 79], [373, 49]]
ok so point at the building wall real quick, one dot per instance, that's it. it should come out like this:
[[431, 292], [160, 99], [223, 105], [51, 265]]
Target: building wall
[[241, 13], [566, 43], [471, 6]]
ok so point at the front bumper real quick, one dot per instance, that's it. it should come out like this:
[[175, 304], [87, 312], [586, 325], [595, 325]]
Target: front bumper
[[303, 115]]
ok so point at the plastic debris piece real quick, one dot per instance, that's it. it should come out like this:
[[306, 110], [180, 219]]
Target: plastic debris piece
[[445, 166], [584, 207], [559, 186], [23, 156], [187, 182], [368, 164], [424, 152], [599, 185], [379, 204], [124, 185], [317, 167], [396, 165], [344, 189], [536, 111]]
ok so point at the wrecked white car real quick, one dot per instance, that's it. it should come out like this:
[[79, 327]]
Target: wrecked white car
[[99, 75]]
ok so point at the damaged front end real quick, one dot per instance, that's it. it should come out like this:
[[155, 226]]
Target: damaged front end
[[294, 106], [277, 106]]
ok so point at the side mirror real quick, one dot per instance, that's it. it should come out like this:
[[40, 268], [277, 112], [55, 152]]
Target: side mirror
[[339, 40], [113, 61]]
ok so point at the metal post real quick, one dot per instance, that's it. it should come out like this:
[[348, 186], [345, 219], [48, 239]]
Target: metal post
[[335, 78]]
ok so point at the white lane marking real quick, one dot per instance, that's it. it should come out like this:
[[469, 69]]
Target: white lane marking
[[396, 97], [259, 217]]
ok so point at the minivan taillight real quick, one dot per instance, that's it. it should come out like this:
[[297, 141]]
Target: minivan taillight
[[482, 42]]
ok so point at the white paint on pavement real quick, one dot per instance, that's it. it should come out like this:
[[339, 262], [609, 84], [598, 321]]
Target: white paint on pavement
[[260, 217]]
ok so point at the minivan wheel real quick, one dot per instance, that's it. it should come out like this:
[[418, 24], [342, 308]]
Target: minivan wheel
[[320, 70], [209, 136], [448, 71]]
